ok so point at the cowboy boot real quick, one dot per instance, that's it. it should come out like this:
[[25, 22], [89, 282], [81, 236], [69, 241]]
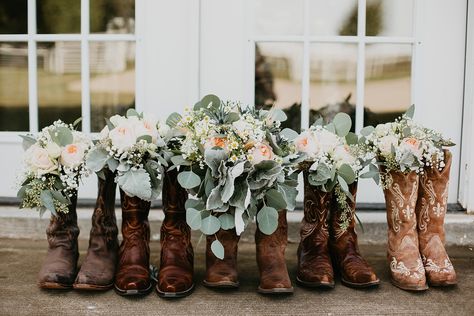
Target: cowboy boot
[[406, 267], [430, 212], [274, 278], [60, 265], [133, 274], [222, 273], [175, 277], [354, 270], [98, 269], [314, 262]]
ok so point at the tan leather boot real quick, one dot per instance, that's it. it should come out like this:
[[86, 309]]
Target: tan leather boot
[[354, 270], [133, 270], [175, 278], [406, 267], [60, 265], [274, 278], [98, 269], [430, 212], [314, 262], [222, 273]]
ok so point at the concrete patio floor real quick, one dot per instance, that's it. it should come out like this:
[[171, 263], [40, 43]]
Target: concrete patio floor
[[20, 260]]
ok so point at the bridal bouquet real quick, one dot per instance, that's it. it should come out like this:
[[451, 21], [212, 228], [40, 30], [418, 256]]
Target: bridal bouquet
[[54, 164], [237, 163], [332, 158], [133, 146], [404, 145]]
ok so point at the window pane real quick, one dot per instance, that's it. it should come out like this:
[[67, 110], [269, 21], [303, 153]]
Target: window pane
[[14, 87], [389, 17], [59, 82], [279, 17], [333, 76], [387, 83], [278, 72], [112, 86], [112, 16], [335, 17], [13, 17], [58, 16]]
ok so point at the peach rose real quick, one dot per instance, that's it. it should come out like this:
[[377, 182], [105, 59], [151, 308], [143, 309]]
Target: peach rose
[[412, 145], [72, 155], [220, 142], [261, 152], [123, 136], [307, 143]]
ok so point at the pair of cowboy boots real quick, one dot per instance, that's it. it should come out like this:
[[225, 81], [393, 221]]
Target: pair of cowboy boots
[[416, 207], [274, 278], [59, 270], [326, 247], [175, 277]]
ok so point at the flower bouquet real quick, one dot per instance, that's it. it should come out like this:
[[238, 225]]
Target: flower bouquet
[[237, 163], [414, 171], [55, 163]]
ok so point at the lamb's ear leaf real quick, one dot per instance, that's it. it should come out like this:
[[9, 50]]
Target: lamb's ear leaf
[[410, 112], [173, 119], [28, 141]]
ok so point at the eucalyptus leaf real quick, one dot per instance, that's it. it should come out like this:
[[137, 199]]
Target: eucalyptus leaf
[[173, 119], [217, 249], [275, 199], [178, 160], [342, 123], [146, 138], [410, 112], [343, 184], [227, 221], [188, 179], [60, 197], [347, 173], [210, 225], [331, 127], [289, 134], [276, 114], [267, 219], [61, 135], [48, 201], [366, 131], [289, 193], [76, 122], [112, 164], [352, 139], [193, 218], [132, 112]]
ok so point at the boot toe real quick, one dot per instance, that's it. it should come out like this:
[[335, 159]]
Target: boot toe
[[441, 279]]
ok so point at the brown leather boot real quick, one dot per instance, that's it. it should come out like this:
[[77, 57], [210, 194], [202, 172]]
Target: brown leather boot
[[133, 274], [175, 278], [98, 269], [274, 278], [430, 212], [406, 267], [60, 265], [347, 260], [222, 273], [314, 262]]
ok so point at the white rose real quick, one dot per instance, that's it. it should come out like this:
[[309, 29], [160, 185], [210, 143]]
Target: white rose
[[306, 142], [54, 151], [412, 145], [385, 143], [117, 120], [261, 152], [242, 128], [72, 155], [38, 159], [327, 140], [147, 127], [123, 136], [342, 155], [382, 129]]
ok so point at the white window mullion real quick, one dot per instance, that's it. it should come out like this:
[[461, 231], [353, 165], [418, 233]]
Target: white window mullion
[[416, 50], [249, 77], [306, 70], [32, 68], [139, 55], [359, 121], [85, 69]]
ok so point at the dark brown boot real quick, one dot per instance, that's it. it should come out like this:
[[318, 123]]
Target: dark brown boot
[[60, 265], [430, 212], [406, 267], [133, 274], [222, 273], [314, 262], [354, 270], [98, 269], [175, 278], [274, 278]]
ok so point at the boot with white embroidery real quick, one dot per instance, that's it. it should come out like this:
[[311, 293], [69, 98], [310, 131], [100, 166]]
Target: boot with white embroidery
[[406, 267], [430, 212]]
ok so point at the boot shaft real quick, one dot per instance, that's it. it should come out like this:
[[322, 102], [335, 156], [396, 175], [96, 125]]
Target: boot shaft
[[342, 220], [62, 229], [173, 195], [104, 222], [269, 246]]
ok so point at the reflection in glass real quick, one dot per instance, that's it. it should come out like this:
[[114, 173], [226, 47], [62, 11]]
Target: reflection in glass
[[112, 16], [335, 17], [387, 83], [58, 16], [278, 73], [333, 76], [13, 17], [14, 87], [59, 82], [112, 83], [278, 17], [389, 17]]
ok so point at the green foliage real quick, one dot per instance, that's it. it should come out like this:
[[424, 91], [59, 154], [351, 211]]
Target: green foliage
[[173, 119], [217, 249], [193, 218], [136, 183], [267, 219], [97, 158], [210, 225], [188, 179], [61, 135], [342, 124]]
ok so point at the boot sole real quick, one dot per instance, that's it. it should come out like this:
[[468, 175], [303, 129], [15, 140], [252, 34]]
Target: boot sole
[[409, 288], [132, 292], [276, 291], [360, 285], [443, 284], [315, 284], [54, 286], [222, 284], [174, 294], [91, 287]]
